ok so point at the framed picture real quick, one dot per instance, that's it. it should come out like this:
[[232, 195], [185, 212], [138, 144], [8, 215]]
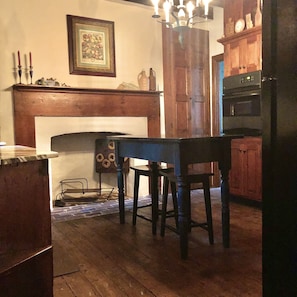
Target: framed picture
[[91, 46]]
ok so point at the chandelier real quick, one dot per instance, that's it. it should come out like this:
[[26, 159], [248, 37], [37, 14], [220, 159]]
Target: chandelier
[[183, 15]]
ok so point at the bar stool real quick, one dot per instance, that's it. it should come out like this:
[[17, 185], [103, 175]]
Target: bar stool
[[143, 170], [192, 177]]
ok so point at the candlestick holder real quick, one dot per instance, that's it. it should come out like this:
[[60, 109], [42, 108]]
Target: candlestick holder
[[31, 73], [20, 73]]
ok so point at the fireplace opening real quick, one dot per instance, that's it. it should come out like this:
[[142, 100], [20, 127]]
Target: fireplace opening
[[86, 170]]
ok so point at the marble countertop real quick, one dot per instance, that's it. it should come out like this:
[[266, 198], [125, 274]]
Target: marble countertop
[[12, 154]]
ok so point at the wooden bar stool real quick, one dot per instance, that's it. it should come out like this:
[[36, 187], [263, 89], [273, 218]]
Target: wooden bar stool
[[143, 170], [192, 177]]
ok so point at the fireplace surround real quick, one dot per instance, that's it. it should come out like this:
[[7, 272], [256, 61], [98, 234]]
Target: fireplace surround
[[70, 110], [33, 101]]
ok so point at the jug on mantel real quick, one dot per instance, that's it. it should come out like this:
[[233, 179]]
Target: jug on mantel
[[143, 81], [152, 80]]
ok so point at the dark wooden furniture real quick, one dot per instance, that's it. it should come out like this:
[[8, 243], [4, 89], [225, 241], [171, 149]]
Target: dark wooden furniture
[[180, 152], [30, 101], [246, 171], [26, 259], [192, 177]]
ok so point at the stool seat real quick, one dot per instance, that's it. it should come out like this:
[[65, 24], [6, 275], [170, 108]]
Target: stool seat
[[192, 177], [143, 170]]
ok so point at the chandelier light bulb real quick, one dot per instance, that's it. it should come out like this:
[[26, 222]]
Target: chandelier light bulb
[[206, 7], [190, 8], [156, 8], [167, 7]]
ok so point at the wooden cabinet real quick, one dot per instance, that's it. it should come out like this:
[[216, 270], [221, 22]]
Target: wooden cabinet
[[246, 171], [186, 77], [186, 87], [243, 52], [26, 259]]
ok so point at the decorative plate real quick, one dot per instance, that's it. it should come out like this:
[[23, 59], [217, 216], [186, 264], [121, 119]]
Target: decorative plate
[[239, 25]]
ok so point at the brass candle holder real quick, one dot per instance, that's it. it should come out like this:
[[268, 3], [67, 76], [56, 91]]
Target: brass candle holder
[[31, 73], [20, 73]]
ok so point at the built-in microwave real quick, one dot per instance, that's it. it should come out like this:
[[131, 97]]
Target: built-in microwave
[[242, 104]]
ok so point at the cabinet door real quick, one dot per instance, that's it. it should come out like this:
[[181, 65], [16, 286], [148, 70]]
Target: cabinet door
[[186, 91], [245, 55], [237, 56], [237, 172], [253, 53], [246, 171], [253, 188]]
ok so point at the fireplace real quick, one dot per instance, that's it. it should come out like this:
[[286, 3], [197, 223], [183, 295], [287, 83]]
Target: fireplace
[[74, 139], [41, 113]]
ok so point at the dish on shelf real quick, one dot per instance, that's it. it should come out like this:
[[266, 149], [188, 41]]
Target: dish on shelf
[[239, 25]]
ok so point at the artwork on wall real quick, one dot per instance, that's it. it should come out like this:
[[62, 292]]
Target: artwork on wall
[[91, 46]]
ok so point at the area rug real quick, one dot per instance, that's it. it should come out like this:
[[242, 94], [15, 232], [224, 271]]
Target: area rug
[[63, 262]]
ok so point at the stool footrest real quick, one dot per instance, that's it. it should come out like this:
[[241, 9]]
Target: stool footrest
[[144, 217], [144, 206], [193, 224]]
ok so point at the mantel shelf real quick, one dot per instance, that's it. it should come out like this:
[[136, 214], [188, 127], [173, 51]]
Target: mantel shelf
[[64, 89], [242, 34]]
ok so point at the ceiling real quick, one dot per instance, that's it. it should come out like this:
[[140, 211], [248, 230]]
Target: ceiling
[[219, 3]]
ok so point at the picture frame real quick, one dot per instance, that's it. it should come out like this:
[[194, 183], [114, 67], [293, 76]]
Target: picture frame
[[91, 46]]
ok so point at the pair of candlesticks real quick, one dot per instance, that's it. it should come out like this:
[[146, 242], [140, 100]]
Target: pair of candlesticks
[[20, 73]]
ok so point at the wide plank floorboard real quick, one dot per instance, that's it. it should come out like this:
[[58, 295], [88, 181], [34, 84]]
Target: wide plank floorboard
[[123, 260]]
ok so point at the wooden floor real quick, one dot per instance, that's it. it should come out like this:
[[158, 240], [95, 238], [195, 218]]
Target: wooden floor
[[122, 260]]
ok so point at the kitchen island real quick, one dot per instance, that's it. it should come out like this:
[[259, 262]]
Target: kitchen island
[[180, 152], [26, 259]]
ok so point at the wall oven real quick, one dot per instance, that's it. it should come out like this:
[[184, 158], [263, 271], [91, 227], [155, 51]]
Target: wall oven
[[242, 104]]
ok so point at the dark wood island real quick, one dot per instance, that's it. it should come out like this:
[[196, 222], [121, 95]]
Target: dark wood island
[[26, 260]]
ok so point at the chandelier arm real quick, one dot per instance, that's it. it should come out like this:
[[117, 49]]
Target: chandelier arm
[[189, 20], [167, 24], [175, 17]]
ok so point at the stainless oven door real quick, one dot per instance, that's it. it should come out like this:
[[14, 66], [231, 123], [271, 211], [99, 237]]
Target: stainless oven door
[[242, 113]]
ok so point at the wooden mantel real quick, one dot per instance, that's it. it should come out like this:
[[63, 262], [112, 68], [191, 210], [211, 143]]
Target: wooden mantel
[[32, 100]]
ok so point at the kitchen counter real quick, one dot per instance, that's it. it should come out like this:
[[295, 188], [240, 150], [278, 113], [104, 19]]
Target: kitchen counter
[[13, 154]]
